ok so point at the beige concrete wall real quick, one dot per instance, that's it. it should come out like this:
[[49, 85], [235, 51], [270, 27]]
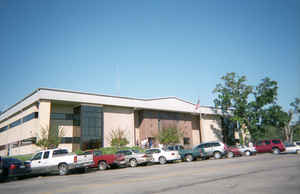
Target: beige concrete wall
[[211, 128], [65, 125], [44, 115], [20, 132], [196, 137], [28, 149], [117, 117]]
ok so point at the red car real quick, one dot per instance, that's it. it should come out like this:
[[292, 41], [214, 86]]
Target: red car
[[233, 151], [274, 146], [104, 161]]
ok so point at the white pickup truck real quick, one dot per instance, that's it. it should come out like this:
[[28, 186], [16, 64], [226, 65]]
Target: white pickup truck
[[59, 160]]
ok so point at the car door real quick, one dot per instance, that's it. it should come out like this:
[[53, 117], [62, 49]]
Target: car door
[[260, 146], [36, 163], [268, 146]]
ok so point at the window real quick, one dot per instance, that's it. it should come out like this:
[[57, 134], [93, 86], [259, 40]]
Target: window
[[31, 116], [28, 141], [97, 153], [267, 142], [46, 155], [259, 143], [61, 116], [155, 151], [14, 124], [276, 141], [66, 140], [186, 140], [60, 152], [38, 156], [3, 128], [2, 147]]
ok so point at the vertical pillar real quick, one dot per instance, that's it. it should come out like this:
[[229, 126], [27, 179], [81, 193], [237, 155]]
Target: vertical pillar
[[44, 115]]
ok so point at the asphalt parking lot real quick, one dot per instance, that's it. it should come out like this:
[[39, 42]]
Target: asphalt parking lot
[[264, 173]]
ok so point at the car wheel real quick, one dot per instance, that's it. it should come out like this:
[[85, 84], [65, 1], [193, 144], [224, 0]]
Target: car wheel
[[162, 160], [276, 151], [188, 158], [63, 169], [102, 165], [133, 163], [298, 152], [230, 155], [217, 155], [247, 153]]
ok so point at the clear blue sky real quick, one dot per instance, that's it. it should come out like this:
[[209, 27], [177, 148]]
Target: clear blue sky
[[147, 49]]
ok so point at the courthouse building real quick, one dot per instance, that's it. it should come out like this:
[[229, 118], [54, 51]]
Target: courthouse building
[[88, 119]]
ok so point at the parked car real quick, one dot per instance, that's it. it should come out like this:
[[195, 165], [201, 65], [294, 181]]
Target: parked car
[[104, 161], [274, 146], [163, 156], [175, 147], [246, 150], [292, 148], [214, 149], [13, 168], [189, 155], [297, 143], [59, 160], [135, 157], [233, 151]]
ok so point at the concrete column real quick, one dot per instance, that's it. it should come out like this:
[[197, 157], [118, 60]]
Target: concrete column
[[44, 115]]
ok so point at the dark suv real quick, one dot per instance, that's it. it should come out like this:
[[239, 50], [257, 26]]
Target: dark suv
[[274, 146]]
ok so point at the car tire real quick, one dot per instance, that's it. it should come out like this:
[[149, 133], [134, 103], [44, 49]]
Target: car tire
[[247, 153], [217, 155], [188, 158], [275, 151], [102, 165], [230, 155], [162, 160], [133, 163], [63, 169]]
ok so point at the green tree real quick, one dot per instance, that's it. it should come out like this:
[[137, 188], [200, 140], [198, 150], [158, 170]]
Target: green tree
[[50, 138], [263, 110], [232, 98], [169, 135], [117, 138]]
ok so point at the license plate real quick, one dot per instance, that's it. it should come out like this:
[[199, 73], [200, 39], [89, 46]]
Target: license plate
[[22, 166]]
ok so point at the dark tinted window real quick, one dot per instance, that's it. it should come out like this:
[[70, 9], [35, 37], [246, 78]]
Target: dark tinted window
[[61, 116], [14, 124], [149, 151], [267, 142], [186, 140], [97, 153], [38, 156], [259, 143], [59, 152], [276, 141], [30, 117], [170, 148], [3, 128], [46, 155], [155, 151]]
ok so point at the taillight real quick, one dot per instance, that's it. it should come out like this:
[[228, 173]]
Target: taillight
[[75, 159], [145, 156], [12, 166], [173, 154]]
